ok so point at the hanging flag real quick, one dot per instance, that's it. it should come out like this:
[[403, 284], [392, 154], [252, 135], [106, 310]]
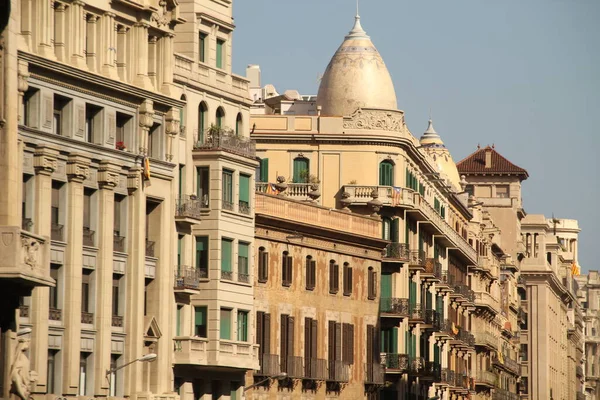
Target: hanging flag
[[454, 329], [146, 172], [271, 189], [500, 357], [396, 196]]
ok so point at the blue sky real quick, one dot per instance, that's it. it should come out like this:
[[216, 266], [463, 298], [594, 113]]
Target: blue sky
[[523, 75]]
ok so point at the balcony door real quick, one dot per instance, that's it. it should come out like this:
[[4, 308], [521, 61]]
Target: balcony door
[[386, 173]]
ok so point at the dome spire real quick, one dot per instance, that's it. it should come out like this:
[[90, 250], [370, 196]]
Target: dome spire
[[430, 136], [357, 31]]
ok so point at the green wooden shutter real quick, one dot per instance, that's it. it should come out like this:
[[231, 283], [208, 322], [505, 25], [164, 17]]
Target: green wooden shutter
[[440, 306], [264, 170], [179, 249], [395, 231], [220, 44], [202, 252], [242, 326], [386, 286], [243, 258], [200, 321], [245, 189], [226, 249], [412, 295], [225, 324], [178, 322], [394, 344], [428, 300], [386, 173], [301, 167], [436, 353]]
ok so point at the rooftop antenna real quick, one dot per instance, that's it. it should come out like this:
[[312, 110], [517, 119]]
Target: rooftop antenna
[[357, 14], [554, 222]]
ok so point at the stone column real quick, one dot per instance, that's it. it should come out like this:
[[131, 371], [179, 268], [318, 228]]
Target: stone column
[[172, 130], [122, 51], [27, 23], [135, 282], [141, 41], [44, 163], [59, 31], [109, 46], [77, 172], [108, 179], [45, 26], [146, 115], [76, 41], [91, 44], [153, 60], [167, 60]]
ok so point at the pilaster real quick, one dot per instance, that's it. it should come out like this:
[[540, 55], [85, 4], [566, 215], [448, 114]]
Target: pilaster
[[77, 172], [45, 26], [172, 130], [77, 22], [59, 31], [109, 46], [141, 41], [108, 178], [167, 86], [91, 47], [44, 163]]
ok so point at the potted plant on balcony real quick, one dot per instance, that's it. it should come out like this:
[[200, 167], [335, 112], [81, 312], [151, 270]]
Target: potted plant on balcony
[[121, 146]]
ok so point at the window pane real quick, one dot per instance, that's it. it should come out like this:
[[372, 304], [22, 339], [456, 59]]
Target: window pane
[[225, 324], [245, 189], [243, 258], [202, 185], [202, 48], [301, 170], [242, 326], [226, 249], [228, 186], [202, 253], [200, 321], [220, 45]]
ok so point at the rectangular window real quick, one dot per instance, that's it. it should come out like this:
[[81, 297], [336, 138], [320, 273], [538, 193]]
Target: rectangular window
[[503, 191], [123, 129], [220, 53], [51, 373], [334, 277], [155, 142], [85, 290], [372, 284], [347, 279], [178, 320], [244, 202], [55, 204], [226, 251], [310, 345], [202, 47], [286, 341], [202, 186], [202, 255], [181, 180], [348, 343], [88, 211], [93, 123], [54, 274], [243, 251], [263, 265], [114, 375], [59, 114], [200, 321], [31, 107], [242, 333], [115, 295], [263, 170], [286, 269], [83, 373], [225, 324], [227, 189], [311, 273], [263, 332]]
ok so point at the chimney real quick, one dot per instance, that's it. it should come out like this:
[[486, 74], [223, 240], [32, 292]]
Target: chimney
[[488, 158]]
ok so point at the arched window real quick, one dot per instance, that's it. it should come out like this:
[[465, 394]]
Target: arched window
[[263, 265], [286, 269], [311, 273], [301, 170], [220, 117], [386, 173], [239, 125], [202, 121], [182, 114]]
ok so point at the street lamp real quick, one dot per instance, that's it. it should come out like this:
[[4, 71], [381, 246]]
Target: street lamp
[[109, 372], [282, 375]]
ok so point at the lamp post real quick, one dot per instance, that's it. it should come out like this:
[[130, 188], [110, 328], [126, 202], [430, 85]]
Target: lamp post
[[282, 375], [109, 372]]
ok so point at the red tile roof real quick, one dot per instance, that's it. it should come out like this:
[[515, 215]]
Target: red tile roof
[[475, 164]]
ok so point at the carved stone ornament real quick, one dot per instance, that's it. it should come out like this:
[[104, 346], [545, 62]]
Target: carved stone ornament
[[45, 160], [108, 175], [281, 186], [381, 120], [172, 125], [21, 376], [163, 18], [134, 178], [146, 118], [30, 248], [22, 76], [78, 168]]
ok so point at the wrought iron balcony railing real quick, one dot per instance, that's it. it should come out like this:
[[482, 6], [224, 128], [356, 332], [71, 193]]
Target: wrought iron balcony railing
[[243, 278], [417, 258], [221, 140], [269, 365], [149, 248], [417, 366], [396, 251], [188, 207], [117, 321], [227, 205], [433, 267], [87, 317], [488, 378], [315, 369], [394, 306], [395, 362], [54, 314], [374, 374], [119, 243], [88, 237], [244, 207], [26, 224], [432, 317], [56, 232], [187, 277], [338, 371], [292, 366], [432, 370], [227, 275]]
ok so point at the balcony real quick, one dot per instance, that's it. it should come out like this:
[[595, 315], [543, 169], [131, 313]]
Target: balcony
[[24, 260], [486, 340], [188, 210], [431, 318], [433, 269], [393, 307], [117, 321], [417, 260], [447, 328], [119, 244], [374, 374], [292, 366], [149, 248], [339, 372], [356, 195], [416, 366], [54, 314], [464, 339], [56, 232], [88, 237], [486, 378], [447, 377], [280, 208], [416, 314], [315, 369], [191, 350], [506, 363], [87, 317], [432, 371], [395, 363], [501, 394], [187, 279], [487, 302], [218, 139], [396, 252], [464, 291], [300, 191], [269, 365]]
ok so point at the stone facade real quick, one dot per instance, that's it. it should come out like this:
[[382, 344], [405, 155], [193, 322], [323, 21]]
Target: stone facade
[[589, 297]]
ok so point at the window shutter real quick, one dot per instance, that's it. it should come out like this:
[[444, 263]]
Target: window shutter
[[336, 277], [264, 170], [370, 344], [308, 274], [349, 280], [265, 266], [331, 340], [290, 336], [284, 270], [245, 189], [313, 270], [283, 344], [395, 234], [307, 340], [267, 334], [289, 265], [313, 337], [331, 278], [338, 342], [259, 331], [351, 344], [226, 255]]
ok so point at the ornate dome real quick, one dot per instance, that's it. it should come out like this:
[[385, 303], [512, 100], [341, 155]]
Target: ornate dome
[[356, 77], [434, 146]]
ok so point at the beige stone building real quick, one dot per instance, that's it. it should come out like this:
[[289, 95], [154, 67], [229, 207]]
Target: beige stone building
[[589, 297], [316, 296]]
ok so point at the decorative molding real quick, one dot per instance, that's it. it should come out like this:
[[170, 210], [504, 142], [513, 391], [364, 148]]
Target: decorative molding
[[376, 120], [172, 122], [78, 167], [108, 175], [45, 160], [134, 178]]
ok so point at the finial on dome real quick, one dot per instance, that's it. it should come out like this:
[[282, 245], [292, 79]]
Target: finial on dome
[[430, 129], [357, 31], [430, 137]]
